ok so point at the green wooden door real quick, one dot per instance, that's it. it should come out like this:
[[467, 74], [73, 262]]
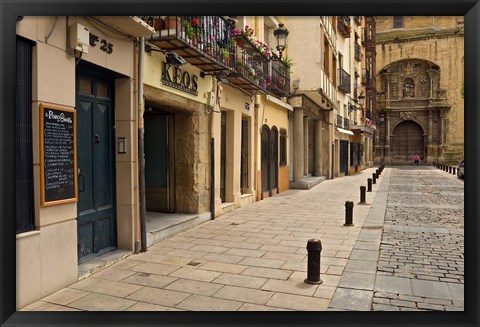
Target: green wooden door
[[96, 166]]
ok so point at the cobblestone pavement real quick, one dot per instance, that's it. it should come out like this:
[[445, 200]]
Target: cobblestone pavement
[[404, 252], [423, 240]]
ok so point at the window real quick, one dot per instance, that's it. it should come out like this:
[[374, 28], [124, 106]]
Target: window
[[398, 22], [23, 134], [326, 56], [283, 147]]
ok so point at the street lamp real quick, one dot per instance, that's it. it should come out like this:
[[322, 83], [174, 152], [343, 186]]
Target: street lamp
[[361, 99], [281, 34]]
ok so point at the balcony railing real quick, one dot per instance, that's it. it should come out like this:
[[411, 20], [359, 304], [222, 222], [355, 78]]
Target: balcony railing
[[346, 123], [250, 64], [208, 42], [280, 78], [339, 121], [344, 26], [344, 81], [358, 53]]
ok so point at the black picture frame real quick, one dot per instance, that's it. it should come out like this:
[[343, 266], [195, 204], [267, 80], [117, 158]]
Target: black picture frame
[[9, 10]]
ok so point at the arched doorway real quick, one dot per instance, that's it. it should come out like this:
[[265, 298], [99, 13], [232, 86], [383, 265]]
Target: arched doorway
[[269, 160], [273, 160], [407, 141]]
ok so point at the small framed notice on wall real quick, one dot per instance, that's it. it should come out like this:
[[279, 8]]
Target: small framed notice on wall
[[58, 155]]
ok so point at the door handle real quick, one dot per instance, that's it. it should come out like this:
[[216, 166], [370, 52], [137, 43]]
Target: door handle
[[96, 138]]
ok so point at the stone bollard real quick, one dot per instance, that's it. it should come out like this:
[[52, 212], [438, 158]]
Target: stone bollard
[[454, 168], [362, 195], [369, 184], [314, 247], [374, 178], [348, 213], [449, 169]]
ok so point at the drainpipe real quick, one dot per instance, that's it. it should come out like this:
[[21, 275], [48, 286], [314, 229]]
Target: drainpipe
[[141, 147]]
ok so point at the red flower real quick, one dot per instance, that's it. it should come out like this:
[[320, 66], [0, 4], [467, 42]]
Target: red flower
[[196, 21]]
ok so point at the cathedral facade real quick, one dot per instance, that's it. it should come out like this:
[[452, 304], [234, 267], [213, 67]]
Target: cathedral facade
[[420, 109]]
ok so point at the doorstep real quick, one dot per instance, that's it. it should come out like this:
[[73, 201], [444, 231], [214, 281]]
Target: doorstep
[[161, 226], [307, 183], [91, 266]]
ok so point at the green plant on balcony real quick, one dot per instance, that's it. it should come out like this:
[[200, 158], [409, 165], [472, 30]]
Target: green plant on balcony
[[288, 62], [192, 28], [224, 54]]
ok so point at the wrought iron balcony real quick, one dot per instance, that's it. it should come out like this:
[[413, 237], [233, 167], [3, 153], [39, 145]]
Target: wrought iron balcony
[[344, 81], [208, 43], [358, 52], [251, 66], [280, 79], [346, 123], [344, 26]]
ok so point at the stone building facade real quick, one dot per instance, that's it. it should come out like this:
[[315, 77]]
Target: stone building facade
[[420, 72]]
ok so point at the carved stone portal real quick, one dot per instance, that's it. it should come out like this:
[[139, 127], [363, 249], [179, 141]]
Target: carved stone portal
[[412, 112]]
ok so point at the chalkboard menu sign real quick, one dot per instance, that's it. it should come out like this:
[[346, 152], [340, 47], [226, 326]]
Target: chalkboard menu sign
[[58, 151]]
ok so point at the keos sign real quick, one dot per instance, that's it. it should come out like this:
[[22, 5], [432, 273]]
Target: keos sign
[[174, 77]]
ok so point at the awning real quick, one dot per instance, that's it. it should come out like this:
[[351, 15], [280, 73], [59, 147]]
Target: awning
[[345, 131]]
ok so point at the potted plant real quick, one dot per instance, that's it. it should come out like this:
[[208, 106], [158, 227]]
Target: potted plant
[[209, 47], [288, 62], [224, 56], [192, 29]]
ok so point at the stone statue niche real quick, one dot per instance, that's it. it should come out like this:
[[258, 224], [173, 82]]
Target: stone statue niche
[[408, 88]]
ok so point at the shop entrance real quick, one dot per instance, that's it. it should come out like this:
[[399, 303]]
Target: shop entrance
[[159, 151], [344, 157], [96, 164]]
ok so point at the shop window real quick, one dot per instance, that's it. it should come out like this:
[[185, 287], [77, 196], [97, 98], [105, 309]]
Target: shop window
[[25, 220], [283, 147]]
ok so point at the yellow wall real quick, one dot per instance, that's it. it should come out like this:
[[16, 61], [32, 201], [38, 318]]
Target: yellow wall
[[153, 69]]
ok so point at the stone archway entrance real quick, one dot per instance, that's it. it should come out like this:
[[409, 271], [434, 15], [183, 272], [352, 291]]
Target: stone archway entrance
[[411, 113], [407, 141]]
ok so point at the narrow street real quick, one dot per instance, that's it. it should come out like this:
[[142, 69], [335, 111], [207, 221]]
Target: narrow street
[[404, 252]]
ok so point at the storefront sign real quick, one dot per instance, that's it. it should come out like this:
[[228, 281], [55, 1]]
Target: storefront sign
[[174, 77], [58, 176]]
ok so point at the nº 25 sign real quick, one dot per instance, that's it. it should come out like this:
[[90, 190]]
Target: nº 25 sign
[[105, 45]]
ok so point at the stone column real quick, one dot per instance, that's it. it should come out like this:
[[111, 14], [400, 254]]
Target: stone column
[[305, 144], [298, 146], [387, 137], [442, 127], [430, 127], [318, 147]]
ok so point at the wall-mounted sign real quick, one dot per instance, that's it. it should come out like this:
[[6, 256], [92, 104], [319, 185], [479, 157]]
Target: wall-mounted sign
[[174, 77], [247, 107], [105, 45], [58, 155]]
